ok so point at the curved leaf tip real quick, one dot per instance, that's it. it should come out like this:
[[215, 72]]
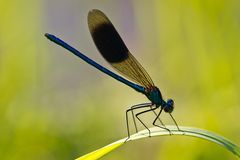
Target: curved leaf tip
[[155, 131]]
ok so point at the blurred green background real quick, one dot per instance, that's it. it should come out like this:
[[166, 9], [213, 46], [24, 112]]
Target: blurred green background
[[55, 106]]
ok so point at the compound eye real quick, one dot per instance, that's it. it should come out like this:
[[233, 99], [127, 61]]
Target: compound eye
[[169, 106], [170, 102]]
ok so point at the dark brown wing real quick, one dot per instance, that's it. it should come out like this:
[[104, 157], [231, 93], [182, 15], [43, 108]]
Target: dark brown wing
[[113, 49]]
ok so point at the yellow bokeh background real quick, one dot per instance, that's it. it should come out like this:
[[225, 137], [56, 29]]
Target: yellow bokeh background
[[55, 106]]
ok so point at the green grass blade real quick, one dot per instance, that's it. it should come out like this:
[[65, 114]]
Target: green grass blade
[[155, 131]]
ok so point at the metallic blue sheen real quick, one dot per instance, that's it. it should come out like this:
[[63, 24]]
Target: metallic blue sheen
[[94, 64], [155, 96]]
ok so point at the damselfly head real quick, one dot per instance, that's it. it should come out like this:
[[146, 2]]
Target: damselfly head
[[169, 106]]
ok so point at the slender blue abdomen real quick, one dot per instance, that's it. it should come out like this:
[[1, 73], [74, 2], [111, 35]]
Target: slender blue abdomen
[[93, 63]]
